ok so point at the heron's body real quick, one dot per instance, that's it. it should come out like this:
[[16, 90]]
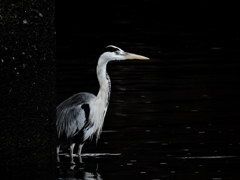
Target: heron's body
[[82, 115]]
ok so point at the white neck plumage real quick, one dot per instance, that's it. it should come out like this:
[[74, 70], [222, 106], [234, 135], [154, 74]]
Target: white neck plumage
[[102, 99], [104, 82]]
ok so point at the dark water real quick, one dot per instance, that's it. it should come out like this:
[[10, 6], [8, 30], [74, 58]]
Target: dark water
[[173, 117]]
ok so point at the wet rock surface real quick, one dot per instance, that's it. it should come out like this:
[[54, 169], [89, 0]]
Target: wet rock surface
[[27, 108]]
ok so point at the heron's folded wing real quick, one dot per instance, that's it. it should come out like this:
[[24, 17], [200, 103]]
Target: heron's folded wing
[[71, 120]]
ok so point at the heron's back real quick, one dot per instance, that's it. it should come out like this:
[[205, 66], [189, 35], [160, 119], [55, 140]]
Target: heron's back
[[72, 114]]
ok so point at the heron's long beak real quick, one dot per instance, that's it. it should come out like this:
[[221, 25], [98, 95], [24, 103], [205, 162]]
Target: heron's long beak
[[135, 56]]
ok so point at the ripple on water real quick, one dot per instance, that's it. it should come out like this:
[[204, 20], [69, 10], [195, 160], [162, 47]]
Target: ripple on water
[[206, 157], [92, 154]]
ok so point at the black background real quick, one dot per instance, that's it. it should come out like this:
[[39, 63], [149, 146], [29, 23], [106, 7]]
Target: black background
[[173, 117]]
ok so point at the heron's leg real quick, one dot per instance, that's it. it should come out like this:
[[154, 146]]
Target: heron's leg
[[79, 153], [71, 153], [58, 159]]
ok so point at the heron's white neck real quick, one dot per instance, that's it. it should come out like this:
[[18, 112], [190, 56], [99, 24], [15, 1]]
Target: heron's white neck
[[104, 82], [102, 99]]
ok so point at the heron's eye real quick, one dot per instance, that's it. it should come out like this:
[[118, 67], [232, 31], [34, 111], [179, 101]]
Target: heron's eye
[[117, 52]]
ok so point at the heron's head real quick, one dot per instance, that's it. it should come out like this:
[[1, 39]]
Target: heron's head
[[115, 53]]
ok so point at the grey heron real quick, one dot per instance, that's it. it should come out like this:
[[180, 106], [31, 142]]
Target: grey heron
[[82, 115]]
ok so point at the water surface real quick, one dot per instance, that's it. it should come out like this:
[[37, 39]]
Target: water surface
[[173, 117]]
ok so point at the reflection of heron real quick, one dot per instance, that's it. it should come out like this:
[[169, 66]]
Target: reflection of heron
[[81, 116], [83, 175], [92, 176]]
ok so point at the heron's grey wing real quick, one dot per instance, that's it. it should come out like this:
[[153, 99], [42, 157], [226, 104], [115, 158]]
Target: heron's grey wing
[[72, 114], [71, 120]]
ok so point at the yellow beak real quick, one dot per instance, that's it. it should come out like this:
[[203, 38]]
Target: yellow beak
[[134, 56]]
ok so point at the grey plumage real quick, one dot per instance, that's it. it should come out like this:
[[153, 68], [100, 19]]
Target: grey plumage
[[72, 116]]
